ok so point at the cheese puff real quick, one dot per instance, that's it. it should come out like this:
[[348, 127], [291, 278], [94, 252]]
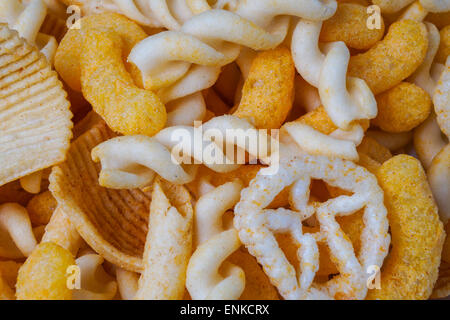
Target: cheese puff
[[41, 207], [268, 91], [257, 284], [394, 58], [108, 86], [349, 24], [444, 46], [402, 108], [67, 58], [391, 6], [319, 120], [43, 275], [374, 150], [411, 268]]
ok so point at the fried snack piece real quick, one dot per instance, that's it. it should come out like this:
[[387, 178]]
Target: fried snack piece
[[110, 89], [394, 58], [6, 293], [441, 100], [439, 19], [411, 268], [268, 91], [113, 222], [391, 6], [68, 55], [257, 284], [9, 270], [402, 108], [374, 150], [169, 243], [43, 275], [349, 24], [34, 112], [444, 45], [41, 207]]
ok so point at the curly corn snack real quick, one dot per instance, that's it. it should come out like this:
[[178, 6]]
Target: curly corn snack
[[349, 24], [110, 89], [411, 268], [43, 275], [402, 108], [394, 58], [267, 95]]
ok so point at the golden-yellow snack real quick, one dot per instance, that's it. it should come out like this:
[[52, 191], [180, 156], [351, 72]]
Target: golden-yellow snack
[[394, 58], [34, 113], [68, 55], [113, 222], [374, 150], [391, 6], [349, 24], [402, 108], [411, 268], [169, 243], [41, 207], [43, 276], [110, 89], [9, 270], [6, 293], [444, 45], [268, 91]]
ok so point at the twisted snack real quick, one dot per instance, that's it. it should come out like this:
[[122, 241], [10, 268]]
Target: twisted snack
[[257, 226], [123, 168], [14, 220], [214, 246], [27, 20], [345, 99]]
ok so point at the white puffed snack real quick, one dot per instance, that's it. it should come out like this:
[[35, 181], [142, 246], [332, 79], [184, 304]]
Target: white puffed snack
[[257, 225]]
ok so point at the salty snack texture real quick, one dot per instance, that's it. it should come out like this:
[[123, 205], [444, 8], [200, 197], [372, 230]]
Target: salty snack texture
[[349, 24], [268, 91], [411, 268], [444, 45], [41, 207], [35, 121], [402, 108], [394, 58], [168, 245], [43, 275], [113, 222]]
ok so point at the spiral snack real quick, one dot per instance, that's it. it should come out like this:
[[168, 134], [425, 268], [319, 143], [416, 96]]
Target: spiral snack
[[349, 24], [394, 58], [411, 268], [402, 108], [168, 245], [114, 223], [34, 113], [255, 222], [268, 90], [441, 100]]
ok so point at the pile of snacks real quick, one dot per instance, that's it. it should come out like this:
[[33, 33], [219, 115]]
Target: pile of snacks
[[117, 124]]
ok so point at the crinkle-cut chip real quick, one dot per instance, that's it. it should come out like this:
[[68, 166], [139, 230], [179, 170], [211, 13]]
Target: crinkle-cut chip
[[442, 286], [113, 222], [257, 284], [43, 276], [411, 268], [35, 126]]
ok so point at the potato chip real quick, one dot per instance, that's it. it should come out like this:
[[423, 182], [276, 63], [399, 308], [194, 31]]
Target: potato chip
[[113, 222], [34, 113]]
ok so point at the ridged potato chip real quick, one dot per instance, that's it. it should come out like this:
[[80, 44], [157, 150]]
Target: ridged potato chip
[[35, 126]]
